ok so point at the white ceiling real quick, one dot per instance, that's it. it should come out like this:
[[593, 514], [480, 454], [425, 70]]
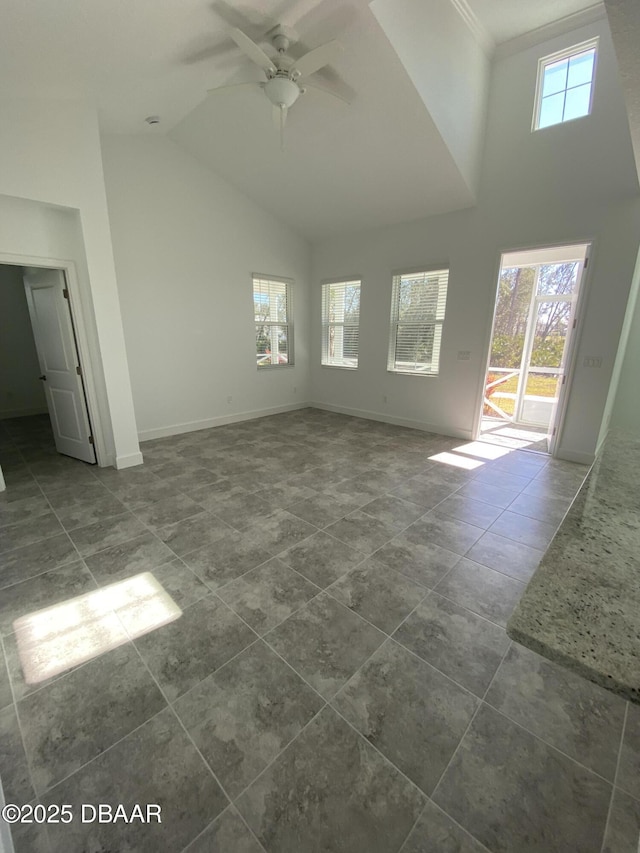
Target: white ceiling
[[378, 161]]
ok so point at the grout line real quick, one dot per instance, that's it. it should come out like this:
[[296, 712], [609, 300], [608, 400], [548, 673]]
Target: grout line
[[552, 746], [476, 842], [20, 728], [231, 809], [230, 799], [168, 705], [473, 716], [431, 665], [427, 592], [466, 607], [414, 825], [94, 758], [615, 777]]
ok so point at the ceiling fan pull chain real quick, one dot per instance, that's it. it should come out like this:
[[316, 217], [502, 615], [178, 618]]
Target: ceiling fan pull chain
[[282, 114]]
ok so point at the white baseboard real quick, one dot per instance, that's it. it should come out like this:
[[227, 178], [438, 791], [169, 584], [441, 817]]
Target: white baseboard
[[128, 461], [21, 413], [194, 426], [575, 456], [453, 432]]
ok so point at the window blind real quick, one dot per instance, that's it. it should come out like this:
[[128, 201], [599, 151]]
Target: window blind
[[418, 303], [273, 321], [340, 323]]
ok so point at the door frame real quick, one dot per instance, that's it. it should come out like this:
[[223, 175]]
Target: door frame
[[69, 272], [573, 342]]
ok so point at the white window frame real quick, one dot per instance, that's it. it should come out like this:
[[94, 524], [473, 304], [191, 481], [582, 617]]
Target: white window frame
[[436, 319], [274, 323], [338, 326], [544, 61]]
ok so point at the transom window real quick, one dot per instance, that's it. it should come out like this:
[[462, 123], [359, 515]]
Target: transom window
[[274, 321], [340, 323], [418, 303], [565, 85]]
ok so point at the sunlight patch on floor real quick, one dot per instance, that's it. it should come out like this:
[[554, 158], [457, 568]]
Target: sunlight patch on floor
[[483, 449], [55, 639], [458, 461]]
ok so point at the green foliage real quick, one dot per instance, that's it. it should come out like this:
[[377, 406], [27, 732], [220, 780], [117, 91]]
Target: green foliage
[[506, 350], [548, 352], [514, 300], [263, 343]]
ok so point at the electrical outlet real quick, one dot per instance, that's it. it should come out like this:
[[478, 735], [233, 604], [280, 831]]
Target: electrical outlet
[[592, 361], [464, 354]]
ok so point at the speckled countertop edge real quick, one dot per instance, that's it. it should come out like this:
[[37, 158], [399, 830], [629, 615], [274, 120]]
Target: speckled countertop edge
[[582, 605]]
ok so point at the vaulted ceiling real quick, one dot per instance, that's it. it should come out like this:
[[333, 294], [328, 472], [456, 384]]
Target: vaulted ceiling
[[389, 156]]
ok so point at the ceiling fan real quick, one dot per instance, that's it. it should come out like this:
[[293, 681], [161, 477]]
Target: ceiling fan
[[283, 73]]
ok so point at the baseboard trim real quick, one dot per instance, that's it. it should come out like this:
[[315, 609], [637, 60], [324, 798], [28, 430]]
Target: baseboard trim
[[128, 461], [575, 456], [194, 426], [5, 414], [452, 432]]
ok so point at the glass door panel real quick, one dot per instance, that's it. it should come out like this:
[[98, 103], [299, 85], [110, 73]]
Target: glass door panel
[[544, 369]]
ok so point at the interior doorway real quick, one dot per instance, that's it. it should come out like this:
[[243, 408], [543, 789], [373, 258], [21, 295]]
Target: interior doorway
[[531, 344], [49, 324]]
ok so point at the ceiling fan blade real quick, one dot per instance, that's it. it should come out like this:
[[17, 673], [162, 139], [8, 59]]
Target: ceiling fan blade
[[317, 58], [326, 91], [256, 54], [234, 87]]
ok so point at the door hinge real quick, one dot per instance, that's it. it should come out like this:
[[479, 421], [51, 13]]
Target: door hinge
[[65, 293], [79, 370], [564, 379], [586, 263], [554, 431], [90, 439], [575, 322]]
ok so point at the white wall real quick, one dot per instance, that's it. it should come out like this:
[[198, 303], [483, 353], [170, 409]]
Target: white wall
[[21, 392], [626, 407], [537, 189], [50, 154], [185, 245], [448, 67], [624, 19]]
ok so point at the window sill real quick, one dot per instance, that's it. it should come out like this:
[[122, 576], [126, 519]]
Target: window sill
[[423, 374], [273, 367], [340, 366]]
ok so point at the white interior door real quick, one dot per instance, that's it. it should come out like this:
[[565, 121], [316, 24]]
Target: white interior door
[[59, 362]]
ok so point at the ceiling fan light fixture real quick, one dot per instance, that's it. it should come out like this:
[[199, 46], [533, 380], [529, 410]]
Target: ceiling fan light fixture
[[281, 91]]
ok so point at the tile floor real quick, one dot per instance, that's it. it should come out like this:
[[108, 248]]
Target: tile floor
[[338, 677]]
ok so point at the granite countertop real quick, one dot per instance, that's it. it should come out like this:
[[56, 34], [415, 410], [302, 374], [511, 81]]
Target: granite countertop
[[582, 605]]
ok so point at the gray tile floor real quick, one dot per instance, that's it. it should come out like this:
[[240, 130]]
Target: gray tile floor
[[338, 677]]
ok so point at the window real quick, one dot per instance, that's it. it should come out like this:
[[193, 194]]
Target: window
[[565, 85], [417, 313], [340, 323], [273, 318]]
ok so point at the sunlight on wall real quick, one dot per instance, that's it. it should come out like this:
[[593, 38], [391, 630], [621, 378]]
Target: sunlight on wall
[[58, 638]]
